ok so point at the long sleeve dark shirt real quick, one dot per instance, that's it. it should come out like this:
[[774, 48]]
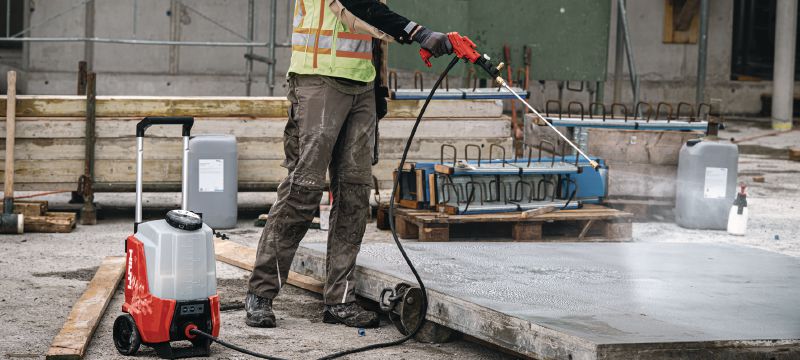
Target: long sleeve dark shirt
[[379, 15]]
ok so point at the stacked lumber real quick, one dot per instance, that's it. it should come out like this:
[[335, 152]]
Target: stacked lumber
[[39, 220], [50, 134]]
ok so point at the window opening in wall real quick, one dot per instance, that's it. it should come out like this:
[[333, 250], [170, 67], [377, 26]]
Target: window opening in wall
[[11, 21], [754, 40]]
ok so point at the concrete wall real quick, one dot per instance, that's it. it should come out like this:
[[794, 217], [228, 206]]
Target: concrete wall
[[668, 71], [148, 69]]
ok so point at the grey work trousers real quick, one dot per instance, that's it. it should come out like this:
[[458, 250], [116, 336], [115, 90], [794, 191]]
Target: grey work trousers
[[328, 131]]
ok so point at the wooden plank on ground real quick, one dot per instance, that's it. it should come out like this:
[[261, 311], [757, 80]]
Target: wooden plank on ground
[[73, 339], [141, 106], [51, 222], [244, 257]]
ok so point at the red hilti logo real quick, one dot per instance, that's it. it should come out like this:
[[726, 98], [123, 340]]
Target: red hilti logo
[[130, 269]]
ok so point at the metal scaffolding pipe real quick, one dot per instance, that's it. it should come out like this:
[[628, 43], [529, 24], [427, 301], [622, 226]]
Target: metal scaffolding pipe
[[629, 51], [783, 76], [272, 39], [619, 53], [8, 18], [702, 53], [251, 30], [141, 42]]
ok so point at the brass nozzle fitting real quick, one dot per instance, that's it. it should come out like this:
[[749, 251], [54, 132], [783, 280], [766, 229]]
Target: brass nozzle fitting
[[595, 165]]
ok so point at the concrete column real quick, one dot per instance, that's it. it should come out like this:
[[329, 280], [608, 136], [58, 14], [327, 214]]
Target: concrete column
[[783, 76]]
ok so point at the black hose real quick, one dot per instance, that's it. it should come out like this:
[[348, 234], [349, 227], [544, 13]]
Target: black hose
[[424, 308], [232, 346]]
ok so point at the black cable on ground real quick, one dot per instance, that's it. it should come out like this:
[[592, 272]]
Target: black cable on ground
[[232, 346], [424, 309]]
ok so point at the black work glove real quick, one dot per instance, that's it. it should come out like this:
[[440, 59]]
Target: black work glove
[[435, 42]]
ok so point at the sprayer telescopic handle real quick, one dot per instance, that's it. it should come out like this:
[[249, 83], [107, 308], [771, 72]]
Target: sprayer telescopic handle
[[185, 121], [141, 129]]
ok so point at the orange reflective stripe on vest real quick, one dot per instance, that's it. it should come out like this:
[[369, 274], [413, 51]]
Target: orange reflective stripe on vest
[[358, 46]]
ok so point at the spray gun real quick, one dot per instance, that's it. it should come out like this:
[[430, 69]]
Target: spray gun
[[464, 48]]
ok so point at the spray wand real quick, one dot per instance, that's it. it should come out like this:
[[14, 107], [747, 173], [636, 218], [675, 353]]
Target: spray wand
[[464, 48]]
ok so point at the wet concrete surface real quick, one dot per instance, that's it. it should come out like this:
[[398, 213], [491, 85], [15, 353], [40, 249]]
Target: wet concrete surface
[[614, 293]]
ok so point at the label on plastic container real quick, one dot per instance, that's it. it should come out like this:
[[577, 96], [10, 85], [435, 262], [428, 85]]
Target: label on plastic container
[[716, 183], [211, 173]]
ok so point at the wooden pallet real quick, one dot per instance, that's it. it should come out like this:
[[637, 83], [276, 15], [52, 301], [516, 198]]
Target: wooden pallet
[[591, 223]]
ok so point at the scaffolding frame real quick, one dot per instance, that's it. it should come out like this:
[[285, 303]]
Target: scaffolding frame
[[248, 40]]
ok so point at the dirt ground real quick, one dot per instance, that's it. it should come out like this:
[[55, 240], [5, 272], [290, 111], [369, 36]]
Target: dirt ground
[[41, 275]]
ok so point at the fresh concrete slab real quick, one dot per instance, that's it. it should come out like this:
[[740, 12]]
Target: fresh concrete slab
[[598, 301]]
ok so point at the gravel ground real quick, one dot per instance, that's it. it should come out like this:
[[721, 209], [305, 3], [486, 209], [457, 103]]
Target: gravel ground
[[41, 275]]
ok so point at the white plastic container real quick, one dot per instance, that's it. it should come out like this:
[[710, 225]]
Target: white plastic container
[[706, 187], [180, 263], [213, 180], [737, 218]]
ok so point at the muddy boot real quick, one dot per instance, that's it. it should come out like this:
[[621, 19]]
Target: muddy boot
[[259, 311], [350, 314]]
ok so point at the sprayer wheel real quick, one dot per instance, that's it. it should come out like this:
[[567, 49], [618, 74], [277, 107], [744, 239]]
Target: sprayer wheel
[[126, 335]]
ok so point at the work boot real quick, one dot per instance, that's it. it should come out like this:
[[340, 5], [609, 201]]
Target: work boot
[[259, 311], [350, 314]]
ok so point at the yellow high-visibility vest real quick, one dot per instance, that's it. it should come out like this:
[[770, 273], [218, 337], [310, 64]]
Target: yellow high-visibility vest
[[323, 45]]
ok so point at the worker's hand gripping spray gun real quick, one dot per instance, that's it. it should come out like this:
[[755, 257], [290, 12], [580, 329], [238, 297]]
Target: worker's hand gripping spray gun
[[464, 48]]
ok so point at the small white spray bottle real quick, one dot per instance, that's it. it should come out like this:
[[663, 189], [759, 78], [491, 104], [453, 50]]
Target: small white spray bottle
[[737, 219]]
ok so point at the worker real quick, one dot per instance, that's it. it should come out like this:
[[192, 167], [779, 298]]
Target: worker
[[332, 124]]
